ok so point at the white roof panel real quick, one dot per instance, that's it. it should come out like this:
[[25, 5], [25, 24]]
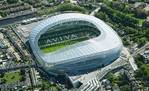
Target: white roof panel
[[107, 40]]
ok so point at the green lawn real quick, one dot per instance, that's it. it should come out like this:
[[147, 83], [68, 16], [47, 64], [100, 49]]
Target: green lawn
[[141, 21], [53, 48], [62, 45], [49, 86], [61, 8], [12, 77]]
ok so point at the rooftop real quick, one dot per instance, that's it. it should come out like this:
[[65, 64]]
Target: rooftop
[[82, 49]]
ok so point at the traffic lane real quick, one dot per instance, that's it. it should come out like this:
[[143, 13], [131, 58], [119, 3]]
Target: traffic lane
[[8, 21]]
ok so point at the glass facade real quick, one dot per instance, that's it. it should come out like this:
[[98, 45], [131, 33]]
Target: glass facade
[[81, 57]]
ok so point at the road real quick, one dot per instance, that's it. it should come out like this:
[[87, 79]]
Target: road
[[93, 79], [131, 57], [32, 70], [95, 11], [131, 60], [73, 1], [140, 50], [33, 76], [9, 21], [12, 86], [15, 67], [100, 73], [120, 62]]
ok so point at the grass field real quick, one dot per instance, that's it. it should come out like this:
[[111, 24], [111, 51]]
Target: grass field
[[12, 77], [62, 45]]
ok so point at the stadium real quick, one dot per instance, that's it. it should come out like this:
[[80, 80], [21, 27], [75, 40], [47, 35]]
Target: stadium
[[74, 43]]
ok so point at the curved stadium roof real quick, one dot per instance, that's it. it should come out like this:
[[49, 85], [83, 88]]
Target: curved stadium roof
[[107, 40]]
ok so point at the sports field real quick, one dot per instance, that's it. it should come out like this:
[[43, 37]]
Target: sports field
[[63, 44]]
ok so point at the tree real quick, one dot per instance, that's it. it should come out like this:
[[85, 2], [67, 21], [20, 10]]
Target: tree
[[141, 13], [142, 41], [12, 1], [51, 1], [3, 14], [125, 88], [2, 75], [112, 78], [118, 5], [102, 16], [146, 24], [119, 17]]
